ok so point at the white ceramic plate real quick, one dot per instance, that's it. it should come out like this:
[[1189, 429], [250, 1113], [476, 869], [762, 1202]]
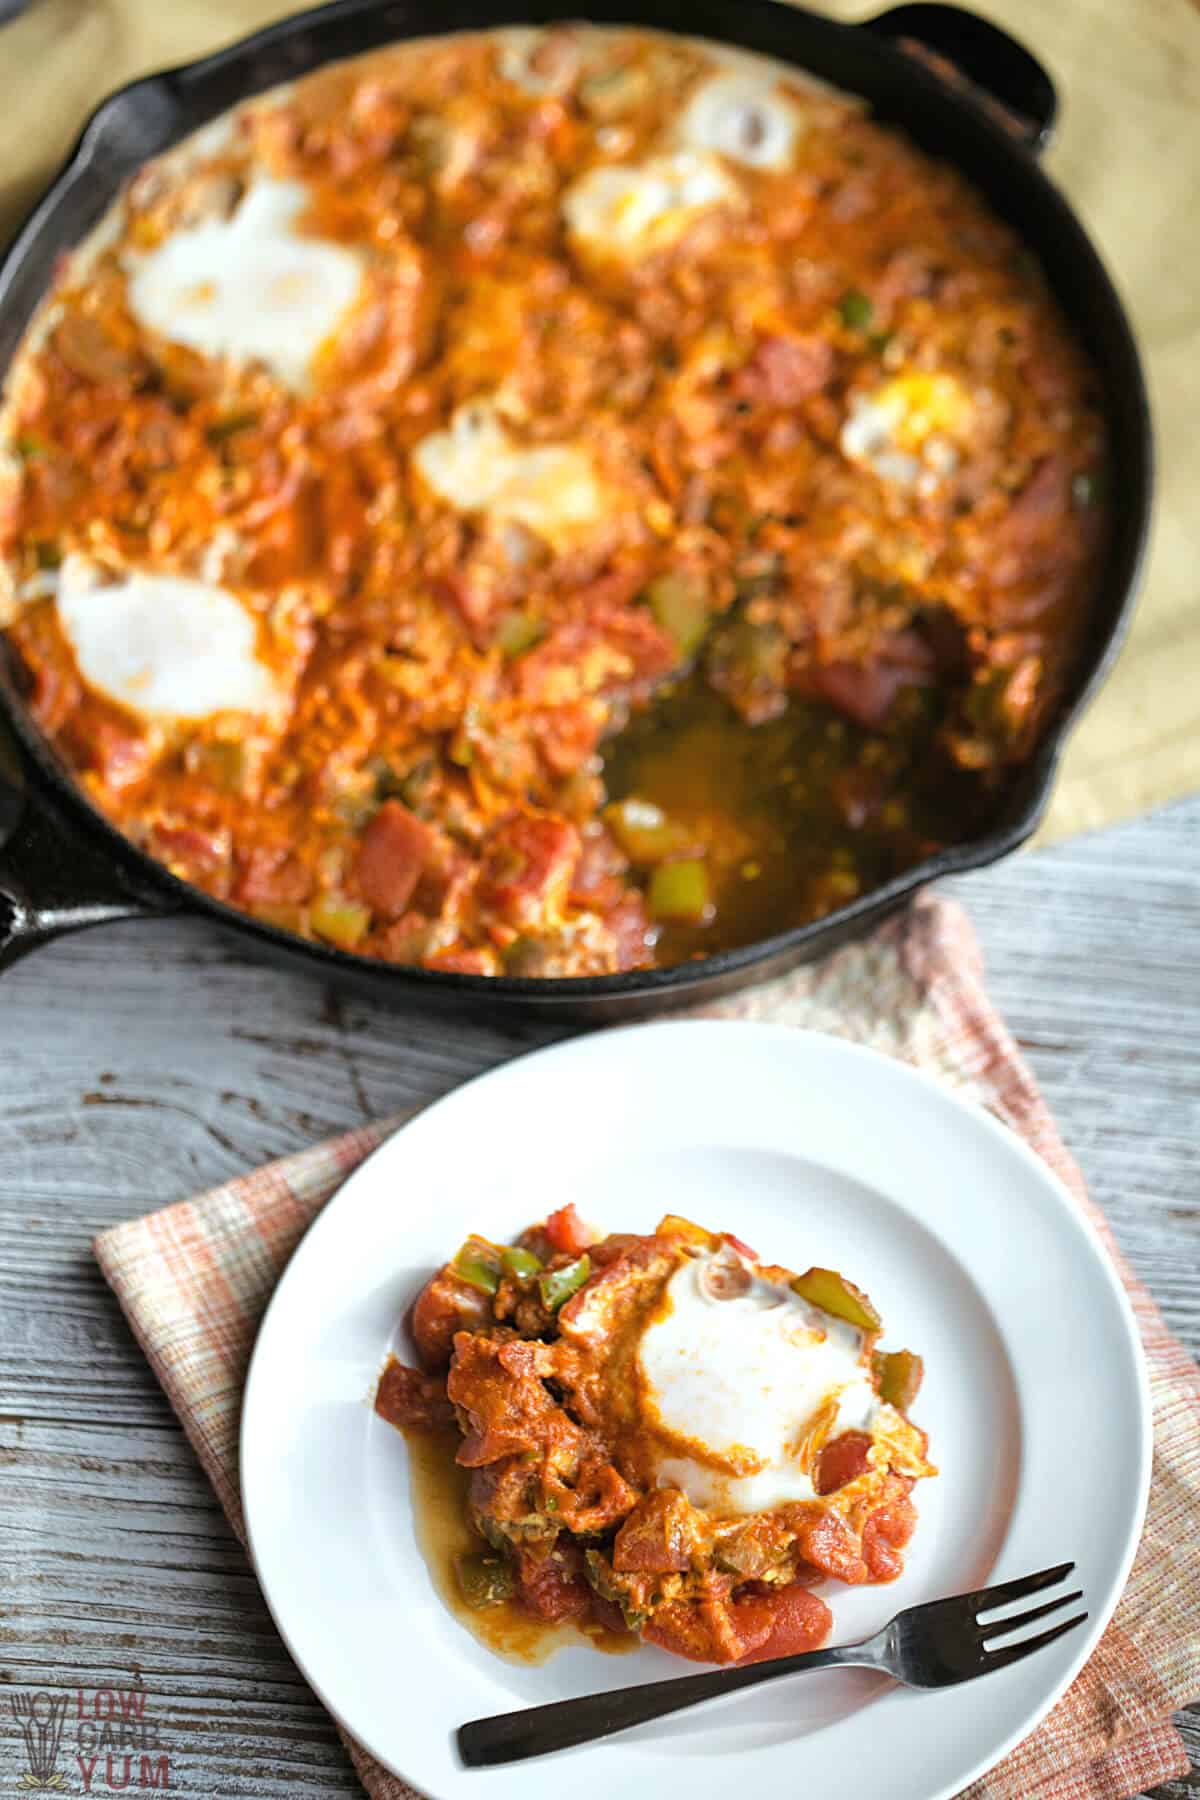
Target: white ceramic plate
[[816, 1152]]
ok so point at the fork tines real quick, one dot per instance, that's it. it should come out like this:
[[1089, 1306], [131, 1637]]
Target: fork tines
[[986, 1600]]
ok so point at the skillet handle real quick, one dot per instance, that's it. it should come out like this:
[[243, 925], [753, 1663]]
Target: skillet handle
[[992, 68], [51, 880]]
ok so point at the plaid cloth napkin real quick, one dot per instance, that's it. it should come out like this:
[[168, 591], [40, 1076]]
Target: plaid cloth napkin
[[195, 1278]]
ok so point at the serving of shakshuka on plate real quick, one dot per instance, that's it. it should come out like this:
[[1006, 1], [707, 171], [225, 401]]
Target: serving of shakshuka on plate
[[654, 1437], [547, 503]]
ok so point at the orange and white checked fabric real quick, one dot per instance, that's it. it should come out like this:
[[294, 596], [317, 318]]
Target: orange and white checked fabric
[[195, 1278]]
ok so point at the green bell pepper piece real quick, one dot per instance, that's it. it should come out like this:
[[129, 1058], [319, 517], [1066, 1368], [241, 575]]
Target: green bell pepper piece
[[856, 309], [900, 1374], [484, 1580], [557, 1285], [478, 1265], [679, 603], [832, 1293], [342, 922], [680, 891], [517, 633], [643, 830], [519, 1263]]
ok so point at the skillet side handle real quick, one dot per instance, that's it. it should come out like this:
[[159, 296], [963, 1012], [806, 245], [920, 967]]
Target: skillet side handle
[[990, 67], [52, 882]]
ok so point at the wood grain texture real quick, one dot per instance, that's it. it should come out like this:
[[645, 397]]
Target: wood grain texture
[[141, 1063]]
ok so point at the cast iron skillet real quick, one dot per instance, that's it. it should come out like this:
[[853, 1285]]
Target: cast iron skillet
[[970, 94]]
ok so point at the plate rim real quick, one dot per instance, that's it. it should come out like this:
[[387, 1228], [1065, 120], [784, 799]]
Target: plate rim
[[852, 1050]]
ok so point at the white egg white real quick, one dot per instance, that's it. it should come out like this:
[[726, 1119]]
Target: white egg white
[[165, 647], [551, 489], [627, 210], [743, 114], [743, 1375], [905, 430], [518, 47], [250, 287]]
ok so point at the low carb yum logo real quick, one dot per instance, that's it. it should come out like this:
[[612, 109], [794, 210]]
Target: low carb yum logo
[[41, 1717], [92, 1741]]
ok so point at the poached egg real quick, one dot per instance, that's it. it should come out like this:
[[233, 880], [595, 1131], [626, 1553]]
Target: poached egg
[[907, 430], [475, 465], [743, 115], [163, 646], [250, 287], [736, 1374], [536, 61], [630, 210]]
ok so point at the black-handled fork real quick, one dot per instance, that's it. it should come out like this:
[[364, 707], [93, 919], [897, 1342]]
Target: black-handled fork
[[930, 1646]]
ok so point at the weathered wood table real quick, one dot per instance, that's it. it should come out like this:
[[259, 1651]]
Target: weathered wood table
[[139, 1064]]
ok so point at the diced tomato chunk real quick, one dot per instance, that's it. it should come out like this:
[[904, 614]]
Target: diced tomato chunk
[[797, 1620], [391, 856], [827, 1544], [766, 1623], [843, 1459], [885, 1535], [446, 878], [704, 1631], [740, 1245], [272, 876], [565, 1230], [527, 869]]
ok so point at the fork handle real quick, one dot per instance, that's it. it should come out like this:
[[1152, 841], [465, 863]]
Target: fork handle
[[536, 1730]]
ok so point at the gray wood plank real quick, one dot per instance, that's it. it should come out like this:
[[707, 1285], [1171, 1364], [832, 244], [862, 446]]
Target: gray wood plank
[[143, 1063]]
